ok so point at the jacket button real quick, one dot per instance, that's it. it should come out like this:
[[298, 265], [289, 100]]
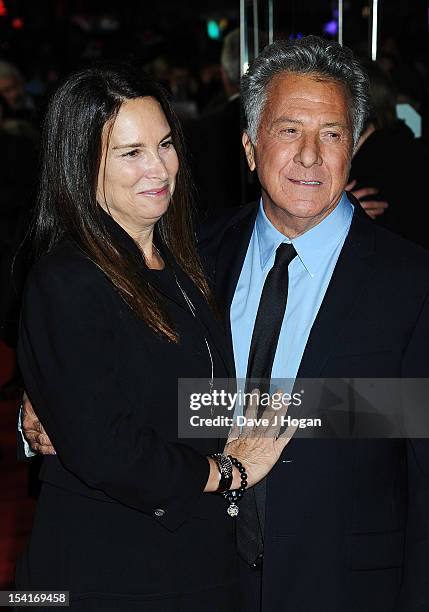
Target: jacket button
[[159, 512], [257, 562]]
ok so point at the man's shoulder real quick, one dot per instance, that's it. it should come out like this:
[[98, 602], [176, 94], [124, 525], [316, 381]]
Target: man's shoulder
[[391, 251], [401, 266], [401, 253]]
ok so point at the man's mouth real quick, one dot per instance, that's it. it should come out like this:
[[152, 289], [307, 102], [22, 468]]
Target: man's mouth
[[302, 182]]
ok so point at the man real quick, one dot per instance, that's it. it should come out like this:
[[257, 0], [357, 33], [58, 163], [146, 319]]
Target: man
[[218, 163], [12, 88], [345, 523]]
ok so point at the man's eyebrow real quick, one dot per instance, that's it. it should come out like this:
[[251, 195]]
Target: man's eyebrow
[[137, 145], [285, 119], [335, 124]]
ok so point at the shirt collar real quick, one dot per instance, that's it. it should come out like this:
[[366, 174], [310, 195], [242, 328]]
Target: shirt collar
[[314, 246]]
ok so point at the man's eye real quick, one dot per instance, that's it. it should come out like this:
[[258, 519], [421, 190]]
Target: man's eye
[[333, 135], [288, 131]]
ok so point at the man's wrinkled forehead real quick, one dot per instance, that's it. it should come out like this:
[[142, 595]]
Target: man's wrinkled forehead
[[297, 85]]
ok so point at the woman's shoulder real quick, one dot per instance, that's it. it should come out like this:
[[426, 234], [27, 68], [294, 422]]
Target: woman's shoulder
[[66, 267]]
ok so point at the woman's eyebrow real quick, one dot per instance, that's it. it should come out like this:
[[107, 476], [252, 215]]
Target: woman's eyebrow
[[136, 145]]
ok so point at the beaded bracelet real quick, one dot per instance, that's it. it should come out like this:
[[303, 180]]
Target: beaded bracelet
[[224, 465], [234, 496]]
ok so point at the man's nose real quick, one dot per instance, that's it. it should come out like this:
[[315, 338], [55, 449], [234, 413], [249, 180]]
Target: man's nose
[[308, 153]]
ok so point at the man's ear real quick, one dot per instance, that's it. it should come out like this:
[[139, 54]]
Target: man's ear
[[249, 149]]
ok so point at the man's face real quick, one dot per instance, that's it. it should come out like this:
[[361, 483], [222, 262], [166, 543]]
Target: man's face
[[12, 90], [303, 150]]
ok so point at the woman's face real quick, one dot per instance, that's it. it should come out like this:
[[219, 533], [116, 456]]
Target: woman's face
[[138, 166]]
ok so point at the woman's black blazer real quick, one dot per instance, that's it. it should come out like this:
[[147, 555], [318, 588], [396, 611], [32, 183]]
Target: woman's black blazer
[[133, 518]]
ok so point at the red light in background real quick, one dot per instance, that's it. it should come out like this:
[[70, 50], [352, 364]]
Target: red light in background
[[3, 9], [17, 23]]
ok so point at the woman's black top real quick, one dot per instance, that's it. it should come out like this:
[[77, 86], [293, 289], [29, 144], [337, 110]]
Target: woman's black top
[[122, 513]]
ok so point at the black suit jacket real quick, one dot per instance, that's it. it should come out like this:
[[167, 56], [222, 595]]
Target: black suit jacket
[[124, 494], [347, 521]]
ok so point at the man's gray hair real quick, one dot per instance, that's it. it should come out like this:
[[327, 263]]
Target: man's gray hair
[[308, 55]]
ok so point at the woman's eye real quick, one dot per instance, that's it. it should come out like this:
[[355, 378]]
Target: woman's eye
[[132, 153], [166, 144]]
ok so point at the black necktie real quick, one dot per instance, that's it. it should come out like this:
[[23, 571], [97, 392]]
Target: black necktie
[[269, 318]]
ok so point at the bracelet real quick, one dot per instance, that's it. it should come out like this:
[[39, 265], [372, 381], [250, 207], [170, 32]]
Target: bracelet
[[234, 496], [224, 465]]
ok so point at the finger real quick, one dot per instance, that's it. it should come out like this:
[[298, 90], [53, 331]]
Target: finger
[[374, 209], [285, 437], [31, 425], [269, 425], [374, 204], [234, 433], [350, 185], [251, 412], [43, 440], [281, 413], [273, 414], [280, 443], [31, 436], [27, 405], [46, 450], [373, 213], [41, 447], [364, 192]]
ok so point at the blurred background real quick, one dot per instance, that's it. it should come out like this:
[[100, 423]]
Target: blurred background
[[198, 50]]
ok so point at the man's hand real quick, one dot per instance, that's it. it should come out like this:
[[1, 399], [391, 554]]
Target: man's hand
[[34, 431], [373, 208]]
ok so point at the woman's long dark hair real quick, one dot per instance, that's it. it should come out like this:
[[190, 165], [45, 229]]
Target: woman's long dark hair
[[67, 206]]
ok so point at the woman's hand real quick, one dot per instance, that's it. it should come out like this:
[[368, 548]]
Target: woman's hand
[[33, 430], [373, 208], [259, 444]]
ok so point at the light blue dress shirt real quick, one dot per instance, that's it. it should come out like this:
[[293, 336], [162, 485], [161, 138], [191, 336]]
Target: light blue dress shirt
[[310, 272]]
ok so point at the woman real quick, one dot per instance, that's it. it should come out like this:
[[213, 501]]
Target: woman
[[115, 312], [387, 148]]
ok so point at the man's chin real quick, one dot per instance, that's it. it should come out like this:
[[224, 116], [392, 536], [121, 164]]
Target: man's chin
[[298, 208]]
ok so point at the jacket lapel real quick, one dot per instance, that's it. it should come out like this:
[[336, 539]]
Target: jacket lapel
[[353, 270], [204, 315], [229, 263]]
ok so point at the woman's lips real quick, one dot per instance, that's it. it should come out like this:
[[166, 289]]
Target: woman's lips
[[306, 183], [155, 193]]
